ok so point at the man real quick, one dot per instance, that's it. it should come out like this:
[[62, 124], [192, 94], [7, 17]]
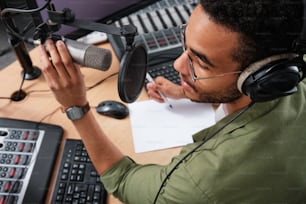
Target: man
[[258, 156]]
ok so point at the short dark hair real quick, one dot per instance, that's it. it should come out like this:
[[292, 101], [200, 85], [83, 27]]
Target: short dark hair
[[267, 27]]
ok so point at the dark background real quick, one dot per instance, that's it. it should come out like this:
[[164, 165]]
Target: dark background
[[7, 55]]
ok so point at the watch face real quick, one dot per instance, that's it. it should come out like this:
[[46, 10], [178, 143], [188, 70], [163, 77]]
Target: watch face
[[75, 113]]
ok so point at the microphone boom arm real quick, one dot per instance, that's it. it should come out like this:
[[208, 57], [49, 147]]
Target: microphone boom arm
[[67, 17]]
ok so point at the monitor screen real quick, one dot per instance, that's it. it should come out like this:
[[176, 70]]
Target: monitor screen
[[104, 11]]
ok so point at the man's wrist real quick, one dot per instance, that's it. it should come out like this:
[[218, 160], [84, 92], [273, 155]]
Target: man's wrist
[[77, 112]]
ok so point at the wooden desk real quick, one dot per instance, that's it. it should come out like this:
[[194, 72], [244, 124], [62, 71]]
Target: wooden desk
[[40, 105]]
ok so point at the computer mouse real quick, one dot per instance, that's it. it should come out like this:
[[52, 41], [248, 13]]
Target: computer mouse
[[114, 109]]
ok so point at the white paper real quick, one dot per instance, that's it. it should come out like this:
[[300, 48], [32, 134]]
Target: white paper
[[155, 126]]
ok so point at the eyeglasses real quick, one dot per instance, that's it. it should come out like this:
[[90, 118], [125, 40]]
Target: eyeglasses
[[191, 67]]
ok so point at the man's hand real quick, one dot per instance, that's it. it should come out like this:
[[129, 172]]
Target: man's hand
[[62, 76], [168, 88]]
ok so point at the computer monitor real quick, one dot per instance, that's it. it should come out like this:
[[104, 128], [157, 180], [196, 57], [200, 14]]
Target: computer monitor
[[103, 11]]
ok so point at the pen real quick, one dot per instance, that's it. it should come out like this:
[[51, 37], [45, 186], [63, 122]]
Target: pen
[[150, 79]]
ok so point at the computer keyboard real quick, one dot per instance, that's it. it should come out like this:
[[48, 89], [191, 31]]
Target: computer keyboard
[[166, 70], [28, 151], [77, 180]]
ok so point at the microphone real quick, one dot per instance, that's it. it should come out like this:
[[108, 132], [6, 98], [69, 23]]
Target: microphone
[[87, 55]]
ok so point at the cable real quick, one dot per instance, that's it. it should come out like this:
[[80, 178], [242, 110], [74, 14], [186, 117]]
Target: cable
[[59, 108], [14, 10], [19, 94], [3, 97], [27, 28], [22, 81], [199, 145], [5, 16], [49, 114], [5, 51], [48, 90], [101, 81]]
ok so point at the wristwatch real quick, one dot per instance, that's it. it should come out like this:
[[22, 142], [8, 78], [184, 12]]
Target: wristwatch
[[77, 112]]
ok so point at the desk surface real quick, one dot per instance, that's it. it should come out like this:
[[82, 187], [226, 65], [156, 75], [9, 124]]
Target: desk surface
[[40, 105]]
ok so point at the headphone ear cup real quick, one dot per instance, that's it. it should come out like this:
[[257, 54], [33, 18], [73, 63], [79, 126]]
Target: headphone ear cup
[[267, 81]]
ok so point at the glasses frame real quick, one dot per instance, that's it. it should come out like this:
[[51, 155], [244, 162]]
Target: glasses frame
[[194, 77]]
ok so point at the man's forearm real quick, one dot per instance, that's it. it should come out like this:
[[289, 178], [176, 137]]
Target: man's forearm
[[102, 152]]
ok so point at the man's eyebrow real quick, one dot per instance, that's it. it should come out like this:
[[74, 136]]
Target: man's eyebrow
[[202, 57]]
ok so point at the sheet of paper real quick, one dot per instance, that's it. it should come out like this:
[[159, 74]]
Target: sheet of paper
[[155, 126]]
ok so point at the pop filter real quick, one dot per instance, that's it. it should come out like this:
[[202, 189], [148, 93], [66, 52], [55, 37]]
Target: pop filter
[[132, 72]]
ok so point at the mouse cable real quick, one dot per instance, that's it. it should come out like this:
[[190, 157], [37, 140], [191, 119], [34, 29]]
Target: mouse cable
[[101, 81], [199, 145]]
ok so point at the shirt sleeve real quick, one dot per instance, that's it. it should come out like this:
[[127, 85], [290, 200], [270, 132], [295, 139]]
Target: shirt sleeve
[[131, 182], [137, 184]]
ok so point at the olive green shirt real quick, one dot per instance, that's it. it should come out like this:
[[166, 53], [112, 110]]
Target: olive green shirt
[[260, 158]]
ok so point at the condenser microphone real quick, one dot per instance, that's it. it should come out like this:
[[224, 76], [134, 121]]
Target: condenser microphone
[[89, 55]]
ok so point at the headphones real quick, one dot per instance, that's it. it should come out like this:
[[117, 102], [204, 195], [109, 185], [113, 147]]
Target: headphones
[[272, 77], [277, 75]]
